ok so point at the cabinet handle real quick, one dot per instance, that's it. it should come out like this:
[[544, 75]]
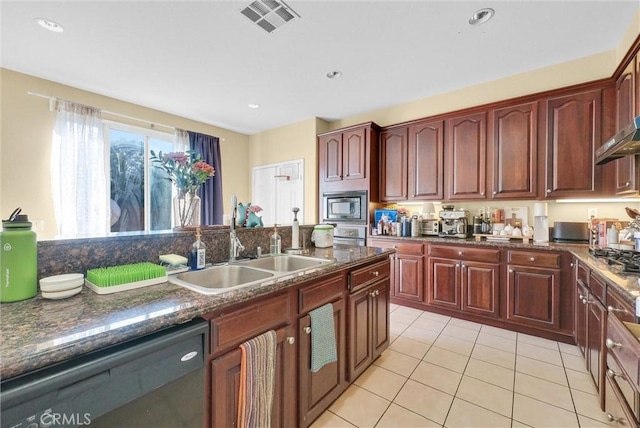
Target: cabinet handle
[[457, 264], [580, 296], [585, 301], [612, 374], [612, 418], [611, 344], [372, 293], [612, 309], [307, 330], [291, 340], [375, 273], [375, 293], [533, 259]]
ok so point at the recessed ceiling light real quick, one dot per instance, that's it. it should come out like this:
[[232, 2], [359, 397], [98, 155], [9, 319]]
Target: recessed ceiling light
[[252, 105], [335, 74], [481, 16], [50, 25]]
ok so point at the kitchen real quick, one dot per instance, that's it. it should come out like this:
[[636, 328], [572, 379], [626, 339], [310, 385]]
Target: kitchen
[[29, 114]]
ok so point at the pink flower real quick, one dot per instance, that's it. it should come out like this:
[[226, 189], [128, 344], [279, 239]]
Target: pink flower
[[255, 209], [204, 167], [178, 157]]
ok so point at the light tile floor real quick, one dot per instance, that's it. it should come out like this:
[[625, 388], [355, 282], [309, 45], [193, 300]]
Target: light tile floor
[[445, 372]]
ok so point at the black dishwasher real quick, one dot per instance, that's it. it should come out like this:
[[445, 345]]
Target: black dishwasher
[[153, 381]]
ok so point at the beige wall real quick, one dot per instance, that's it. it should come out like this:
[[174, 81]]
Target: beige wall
[[291, 142], [25, 143]]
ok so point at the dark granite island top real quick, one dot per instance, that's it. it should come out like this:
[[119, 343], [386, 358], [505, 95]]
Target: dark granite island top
[[38, 332]]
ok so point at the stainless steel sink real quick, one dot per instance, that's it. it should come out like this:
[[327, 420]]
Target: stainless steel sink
[[286, 263], [220, 279]]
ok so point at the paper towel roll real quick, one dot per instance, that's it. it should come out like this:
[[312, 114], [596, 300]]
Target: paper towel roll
[[540, 209]]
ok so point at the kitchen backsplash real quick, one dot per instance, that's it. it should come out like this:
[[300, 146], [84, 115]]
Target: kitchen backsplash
[[77, 255]]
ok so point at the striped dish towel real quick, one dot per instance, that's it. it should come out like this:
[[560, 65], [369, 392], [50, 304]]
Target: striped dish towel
[[257, 380], [323, 337]]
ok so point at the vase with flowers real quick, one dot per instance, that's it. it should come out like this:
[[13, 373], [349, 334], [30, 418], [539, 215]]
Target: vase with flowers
[[187, 171]]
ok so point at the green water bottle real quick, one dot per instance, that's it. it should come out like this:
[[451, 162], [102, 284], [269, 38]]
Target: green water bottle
[[18, 259]]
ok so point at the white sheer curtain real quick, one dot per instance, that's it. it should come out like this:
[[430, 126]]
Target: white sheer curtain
[[79, 182], [180, 140]]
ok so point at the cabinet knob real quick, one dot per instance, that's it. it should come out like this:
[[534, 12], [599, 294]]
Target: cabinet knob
[[510, 270], [372, 293], [459, 253], [375, 273], [291, 340], [580, 296], [495, 193], [585, 301], [628, 183], [572, 265], [548, 190], [533, 259], [457, 264], [612, 309], [481, 193], [612, 418], [307, 330], [377, 292], [611, 344], [612, 374]]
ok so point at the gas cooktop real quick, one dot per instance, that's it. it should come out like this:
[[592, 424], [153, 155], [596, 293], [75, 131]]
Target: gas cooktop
[[624, 261]]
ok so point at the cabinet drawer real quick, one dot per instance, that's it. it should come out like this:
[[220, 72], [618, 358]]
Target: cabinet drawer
[[319, 293], [466, 253], [597, 288], [620, 308], [619, 379], [625, 348], [233, 328], [401, 247], [366, 275], [528, 258], [583, 273]]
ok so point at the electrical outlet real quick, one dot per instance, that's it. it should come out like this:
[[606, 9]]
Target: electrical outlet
[[592, 213], [38, 225]]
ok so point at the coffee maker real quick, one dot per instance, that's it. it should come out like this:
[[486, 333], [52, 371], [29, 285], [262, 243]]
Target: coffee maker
[[453, 223]]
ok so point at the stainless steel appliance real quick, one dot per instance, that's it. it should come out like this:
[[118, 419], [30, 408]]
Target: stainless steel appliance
[[454, 223], [133, 384], [340, 207], [350, 235], [619, 261], [570, 232], [625, 143], [430, 227]]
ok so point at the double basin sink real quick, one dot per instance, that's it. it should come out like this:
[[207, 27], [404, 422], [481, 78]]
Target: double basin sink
[[228, 277]]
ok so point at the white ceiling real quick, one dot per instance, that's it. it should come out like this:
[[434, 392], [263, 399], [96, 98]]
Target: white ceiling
[[205, 61]]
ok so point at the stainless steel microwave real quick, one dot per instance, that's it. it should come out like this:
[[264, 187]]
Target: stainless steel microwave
[[349, 207]]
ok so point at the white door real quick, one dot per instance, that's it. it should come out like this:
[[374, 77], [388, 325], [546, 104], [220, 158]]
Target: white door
[[277, 188]]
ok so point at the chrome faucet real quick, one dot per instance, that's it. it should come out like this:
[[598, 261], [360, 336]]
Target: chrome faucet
[[235, 246]]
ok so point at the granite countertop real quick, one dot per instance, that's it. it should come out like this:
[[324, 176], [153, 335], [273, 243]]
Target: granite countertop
[[39, 332], [627, 286]]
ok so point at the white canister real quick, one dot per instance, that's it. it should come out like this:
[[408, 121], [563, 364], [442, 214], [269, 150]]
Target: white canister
[[322, 236]]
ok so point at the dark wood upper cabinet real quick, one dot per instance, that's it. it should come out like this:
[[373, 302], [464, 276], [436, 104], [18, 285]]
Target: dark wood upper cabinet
[[466, 157], [513, 151], [393, 164], [426, 160], [572, 134], [354, 154], [627, 171]]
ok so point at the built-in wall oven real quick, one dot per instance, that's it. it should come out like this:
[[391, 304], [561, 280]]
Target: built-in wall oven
[[345, 207], [350, 235]]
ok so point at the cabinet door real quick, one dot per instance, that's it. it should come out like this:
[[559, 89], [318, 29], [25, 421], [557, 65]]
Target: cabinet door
[[533, 296], [467, 157], [626, 167], [330, 157], [225, 384], [480, 285], [596, 325], [354, 154], [580, 309], [572, 135], [317, 390], [380, 317], [426, 161], [408, 281], [360, 351], [514, 151], [444, 283], [393, 164]]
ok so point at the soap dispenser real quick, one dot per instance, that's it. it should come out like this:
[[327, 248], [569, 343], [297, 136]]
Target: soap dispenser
[[198, 253], [275, 242]]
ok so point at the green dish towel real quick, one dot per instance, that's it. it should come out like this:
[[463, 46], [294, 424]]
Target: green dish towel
[[323, 337]]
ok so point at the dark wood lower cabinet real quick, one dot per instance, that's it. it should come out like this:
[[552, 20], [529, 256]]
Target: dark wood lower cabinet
[[225, 383], [595, 354], [533, 296], [319, 389]]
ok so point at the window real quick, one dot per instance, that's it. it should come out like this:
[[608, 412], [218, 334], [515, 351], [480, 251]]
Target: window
[[140, 195]]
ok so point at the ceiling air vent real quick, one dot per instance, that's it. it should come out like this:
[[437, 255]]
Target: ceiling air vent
[[269, 14]]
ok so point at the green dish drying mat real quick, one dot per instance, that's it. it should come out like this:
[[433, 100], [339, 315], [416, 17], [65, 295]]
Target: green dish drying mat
[[125, 277]]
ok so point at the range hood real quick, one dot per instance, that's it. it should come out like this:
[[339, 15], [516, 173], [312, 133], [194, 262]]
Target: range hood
[[625, 143]]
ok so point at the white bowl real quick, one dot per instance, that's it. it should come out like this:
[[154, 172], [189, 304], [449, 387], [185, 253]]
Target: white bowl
[[57, 295], [61, 282]]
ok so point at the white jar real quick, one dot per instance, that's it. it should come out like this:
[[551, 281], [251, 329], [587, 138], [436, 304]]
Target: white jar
[[322, 236]]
